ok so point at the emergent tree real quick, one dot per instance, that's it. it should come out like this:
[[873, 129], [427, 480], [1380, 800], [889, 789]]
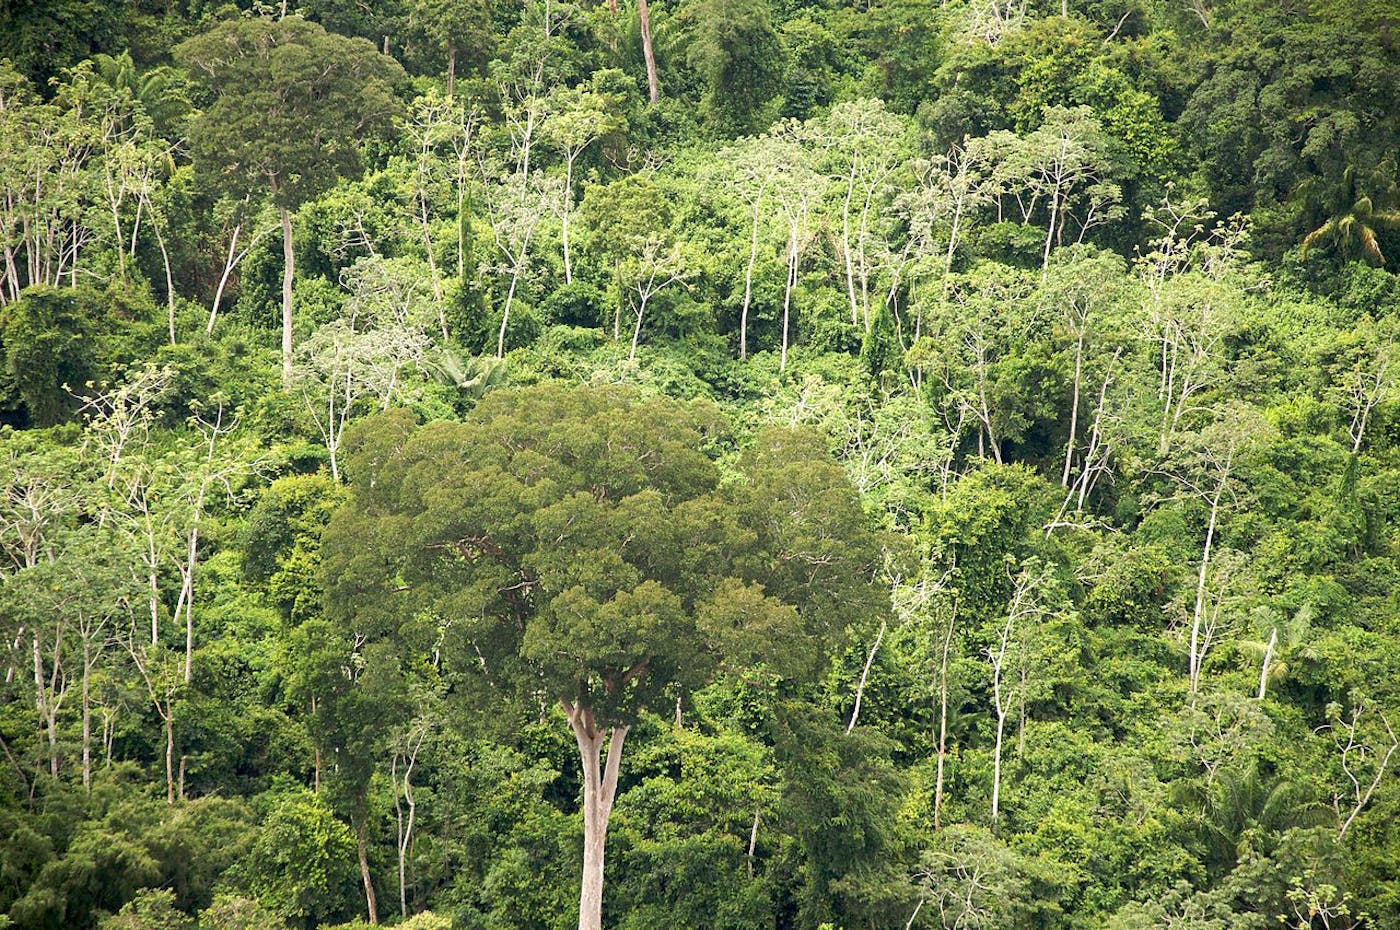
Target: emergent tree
[[575, 545]]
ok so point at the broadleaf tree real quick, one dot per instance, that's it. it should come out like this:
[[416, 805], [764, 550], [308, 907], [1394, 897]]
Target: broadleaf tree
[[289, 104], [580, 546]]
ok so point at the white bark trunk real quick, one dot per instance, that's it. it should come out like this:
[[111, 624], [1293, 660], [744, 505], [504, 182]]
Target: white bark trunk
[[1073, 410], [787, 300], [87, 716], [599, 791], [1268, 657], [748, 284], [653, 83], [864, 676], [568, 208], [1194, 667], [943, 719]]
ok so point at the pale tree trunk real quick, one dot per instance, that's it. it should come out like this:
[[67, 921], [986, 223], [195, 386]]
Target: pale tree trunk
[[644, 18], [505, 316], [288, 268], [599, 791], [865, 676], [1268, 657], [943, 718], [168, 717], [153, 585], [187, 596], [1197, 614], [748, 283], [996, 766], [451, 70], [617, 305], [1050, 233], [362, 854], [846, 245], [434, 274], [564, 220], [753, 840], [230, 263], [517, 268], [1003, 705], [47, 697], [164, 704], [1073, 410], [223, 278], [405, 824], [87, 715], [787, 300], [169, 281], [637, 329]]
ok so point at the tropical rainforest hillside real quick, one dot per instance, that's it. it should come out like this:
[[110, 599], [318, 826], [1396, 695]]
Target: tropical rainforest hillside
[[724, 464]]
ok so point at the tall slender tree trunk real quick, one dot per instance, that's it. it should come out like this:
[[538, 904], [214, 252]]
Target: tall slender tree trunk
[[996, 764], [564, 220], [169, 281], [362, 854], [223, 278], [846, 246], [406, 830], [187, 595], [87, 716], [636, 331], [168, 716], [787, 300], [753, 840], [48, 713], [153, 585], [864, 677], [505, 314], [599, 791], [1197, 615], [1268, 657], [288, 268], [943, 719], [464, 232], [1073, 410], [748, 283], [644, 18], [451, 70], [1003, 707], [1050, 234]]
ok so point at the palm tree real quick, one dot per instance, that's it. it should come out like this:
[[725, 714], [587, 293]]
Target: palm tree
[[154, 89], [1355, 224]]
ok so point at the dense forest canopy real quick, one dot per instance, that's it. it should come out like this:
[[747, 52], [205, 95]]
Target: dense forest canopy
[[881, 464]]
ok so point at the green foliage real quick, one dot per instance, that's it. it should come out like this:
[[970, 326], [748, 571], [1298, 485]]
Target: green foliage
[[1089, 309], [740, 54], [302, 862], [231, 912], [149, 910], [597, 544], [290, 103], [48, 341]]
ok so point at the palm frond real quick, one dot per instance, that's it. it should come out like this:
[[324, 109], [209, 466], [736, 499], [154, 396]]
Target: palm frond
[[1386, 219], [1369, 245], [1322, 232]]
